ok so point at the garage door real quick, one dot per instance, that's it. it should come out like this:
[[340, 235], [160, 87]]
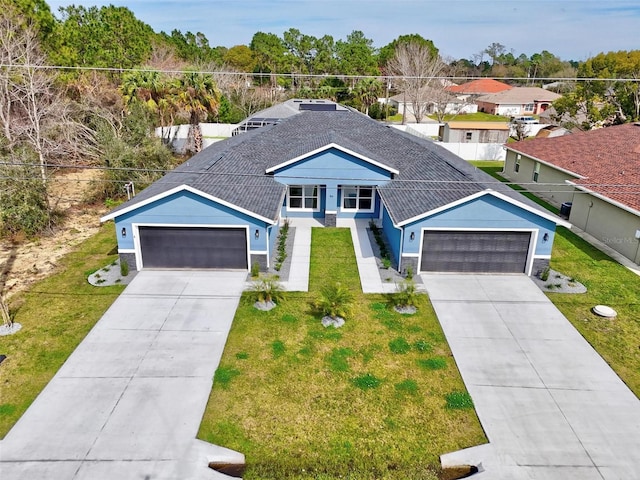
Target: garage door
[[477, 252], [193, 247]]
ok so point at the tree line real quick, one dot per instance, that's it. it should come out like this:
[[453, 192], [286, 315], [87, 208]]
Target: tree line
[[116, 79]]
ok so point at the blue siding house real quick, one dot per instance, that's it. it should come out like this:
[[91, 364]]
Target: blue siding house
[[222, 208]]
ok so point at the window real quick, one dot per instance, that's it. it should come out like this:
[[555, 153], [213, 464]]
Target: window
[[536, 172], [468, 136], [528, 107], [303, 197], [357, 198], [516, 165]]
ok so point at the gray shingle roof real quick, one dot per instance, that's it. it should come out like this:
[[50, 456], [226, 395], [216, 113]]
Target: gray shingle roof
[[233, 170]]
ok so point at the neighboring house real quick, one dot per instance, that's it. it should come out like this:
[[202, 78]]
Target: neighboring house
[[475, 132], [432, 101], [223, 207], [517, 101], [597, 172], [476, 88]]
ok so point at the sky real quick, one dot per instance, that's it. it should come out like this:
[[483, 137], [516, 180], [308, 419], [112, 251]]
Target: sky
[[570, 29]]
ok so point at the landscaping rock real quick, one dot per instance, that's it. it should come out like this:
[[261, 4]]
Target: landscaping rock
[[336, 322], [110, 275], [556, 282], [264, 306], [406, 310], [9, 329]]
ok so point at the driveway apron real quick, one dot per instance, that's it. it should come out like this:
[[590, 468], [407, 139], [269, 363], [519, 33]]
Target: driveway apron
[[128, 402], [550, 405]]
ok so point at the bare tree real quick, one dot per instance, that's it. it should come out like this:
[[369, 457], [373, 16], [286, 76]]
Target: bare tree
[[238, 87], [418, 69]]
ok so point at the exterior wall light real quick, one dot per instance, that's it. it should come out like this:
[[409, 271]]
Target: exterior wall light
[[545, 237], [257, 234], [123, 232], [412, 237]]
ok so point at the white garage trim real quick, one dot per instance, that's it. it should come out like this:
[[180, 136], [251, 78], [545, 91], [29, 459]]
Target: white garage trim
[[136, 236], [532, 241]]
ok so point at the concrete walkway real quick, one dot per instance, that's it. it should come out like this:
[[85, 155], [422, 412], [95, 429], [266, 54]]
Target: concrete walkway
[[301, 255], [551, 407], [129, 401]]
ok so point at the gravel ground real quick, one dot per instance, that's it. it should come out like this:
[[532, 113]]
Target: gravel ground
[[110, 275], [559, 283]]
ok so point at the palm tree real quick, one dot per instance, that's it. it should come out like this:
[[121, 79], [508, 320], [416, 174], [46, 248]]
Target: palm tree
[[197, 95], [367, 92]]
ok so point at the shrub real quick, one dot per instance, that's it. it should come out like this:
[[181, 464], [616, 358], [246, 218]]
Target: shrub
[[335, 301], [409, 272], [267, 289], [544, 275], [124, 267], [255, 270], [406, 294]]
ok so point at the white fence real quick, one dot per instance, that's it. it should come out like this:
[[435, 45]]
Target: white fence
[[476, 151], [211, 133]]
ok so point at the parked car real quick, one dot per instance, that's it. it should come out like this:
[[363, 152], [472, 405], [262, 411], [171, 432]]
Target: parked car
[[525, 119]]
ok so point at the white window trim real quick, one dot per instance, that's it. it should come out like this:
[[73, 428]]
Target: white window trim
[[536, 172], [303, 209], [358, 187]]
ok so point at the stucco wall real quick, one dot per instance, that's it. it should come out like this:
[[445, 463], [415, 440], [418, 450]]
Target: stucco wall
[[186, 208], [331, 169], [486, 212], [551, 184], [610, 224]]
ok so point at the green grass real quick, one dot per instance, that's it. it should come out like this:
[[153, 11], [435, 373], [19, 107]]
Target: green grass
[[56, 314], [494, 169], [473, 117], [338, 403], [608, 283]]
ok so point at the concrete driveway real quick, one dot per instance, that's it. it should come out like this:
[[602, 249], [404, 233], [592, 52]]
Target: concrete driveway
[[129, 400], [550, 405]]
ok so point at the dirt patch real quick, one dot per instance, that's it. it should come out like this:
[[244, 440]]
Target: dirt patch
[[26, 262]]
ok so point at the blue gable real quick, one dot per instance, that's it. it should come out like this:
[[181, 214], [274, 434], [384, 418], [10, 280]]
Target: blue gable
[[485, 212], [331, 169], [332, 165], [187, 208]]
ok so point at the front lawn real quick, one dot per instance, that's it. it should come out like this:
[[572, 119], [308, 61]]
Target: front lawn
[[56, 314], [608, 283], [380, 398]]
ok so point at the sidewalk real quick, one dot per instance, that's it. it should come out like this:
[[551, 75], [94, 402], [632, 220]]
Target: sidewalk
[[370, 274], [298, 280]]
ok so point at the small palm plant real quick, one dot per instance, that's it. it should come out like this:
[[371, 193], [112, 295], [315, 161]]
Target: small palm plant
[[335, 301], [406, 296], [266, 292]]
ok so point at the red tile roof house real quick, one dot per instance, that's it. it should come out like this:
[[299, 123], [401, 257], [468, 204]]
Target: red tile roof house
[[483, 86], [598, 172], [517, 101]]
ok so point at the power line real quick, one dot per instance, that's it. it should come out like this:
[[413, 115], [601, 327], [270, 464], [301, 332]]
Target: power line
[[262, 176], [309, 75]]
